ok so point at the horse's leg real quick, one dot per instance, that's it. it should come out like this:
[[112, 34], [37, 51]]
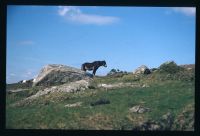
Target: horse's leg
[[94, 70], [83, 68]]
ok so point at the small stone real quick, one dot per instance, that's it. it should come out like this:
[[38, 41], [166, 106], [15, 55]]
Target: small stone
[[134, 109], [142, 110], [139, 109], [145, 85], [77, 104]]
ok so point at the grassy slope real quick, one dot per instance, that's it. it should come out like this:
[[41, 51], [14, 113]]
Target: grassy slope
[[49, 111]]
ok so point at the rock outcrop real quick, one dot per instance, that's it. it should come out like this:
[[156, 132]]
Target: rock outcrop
[[188, 66], [142, 70], [164, 123], [186, 119], [59, 74], [71, 87]]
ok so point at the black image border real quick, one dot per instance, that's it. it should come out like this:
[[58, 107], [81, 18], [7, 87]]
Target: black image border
[[132, 3]]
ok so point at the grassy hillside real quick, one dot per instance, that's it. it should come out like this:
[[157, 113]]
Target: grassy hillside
[[162, 92]]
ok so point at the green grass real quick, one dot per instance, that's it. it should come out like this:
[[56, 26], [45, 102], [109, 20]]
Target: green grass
[[16, 86], [48, 112]]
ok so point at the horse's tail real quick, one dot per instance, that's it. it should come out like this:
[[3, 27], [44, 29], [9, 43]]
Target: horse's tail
[[82, 67]]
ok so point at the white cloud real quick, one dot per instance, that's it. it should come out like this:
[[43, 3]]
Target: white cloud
[[27, 42], [12, 74], [35, 76], [188, 11], [27, 74], [74, 14], [63, 10]]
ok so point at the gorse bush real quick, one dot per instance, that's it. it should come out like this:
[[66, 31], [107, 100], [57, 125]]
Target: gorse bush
[[100, 102], [170, 67], [116, 72]]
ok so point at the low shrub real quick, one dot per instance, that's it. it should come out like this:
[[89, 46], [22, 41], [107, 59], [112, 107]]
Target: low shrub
[[100, 102], [170, 67]]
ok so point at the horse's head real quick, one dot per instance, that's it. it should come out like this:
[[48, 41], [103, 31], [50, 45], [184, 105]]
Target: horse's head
[[104, 63]]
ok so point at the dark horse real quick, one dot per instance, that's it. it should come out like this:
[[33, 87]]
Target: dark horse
[[93, 66]]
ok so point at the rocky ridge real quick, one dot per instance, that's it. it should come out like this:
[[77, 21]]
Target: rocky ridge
[[54, 74]]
